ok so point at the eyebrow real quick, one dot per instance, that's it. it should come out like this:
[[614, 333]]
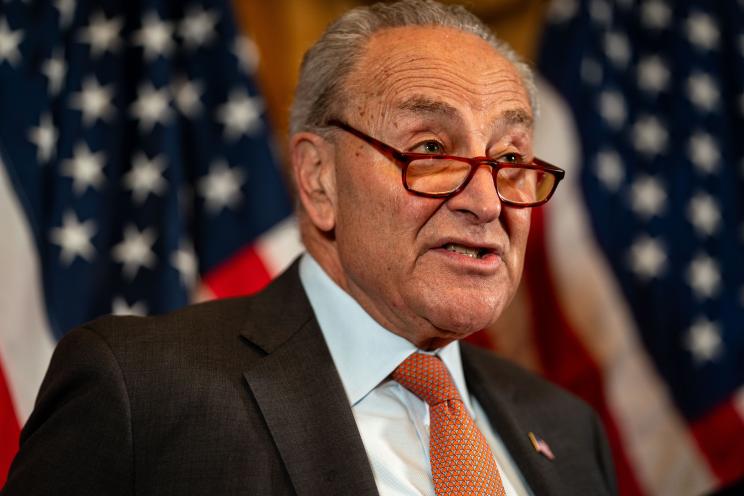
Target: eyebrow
[[516, 117], [425, 105]]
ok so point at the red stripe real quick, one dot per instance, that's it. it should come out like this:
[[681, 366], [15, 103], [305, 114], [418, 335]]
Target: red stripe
[[564, 358], [720, 435], [9, 429], [243, 274]]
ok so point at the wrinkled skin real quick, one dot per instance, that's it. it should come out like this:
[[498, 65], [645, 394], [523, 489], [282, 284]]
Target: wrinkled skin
[[425, 89]]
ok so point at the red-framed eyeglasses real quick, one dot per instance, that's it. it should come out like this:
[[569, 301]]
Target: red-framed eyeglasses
[[519, 185]]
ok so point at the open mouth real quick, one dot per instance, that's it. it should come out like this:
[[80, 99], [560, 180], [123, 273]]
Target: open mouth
[[468, 251]]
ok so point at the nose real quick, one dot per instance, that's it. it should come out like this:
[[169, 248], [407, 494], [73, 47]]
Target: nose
[[479, 199]]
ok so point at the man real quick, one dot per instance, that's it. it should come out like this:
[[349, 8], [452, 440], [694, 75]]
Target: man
[[328, 381]]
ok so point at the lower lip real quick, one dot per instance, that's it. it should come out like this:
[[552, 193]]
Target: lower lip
[[489, 263]]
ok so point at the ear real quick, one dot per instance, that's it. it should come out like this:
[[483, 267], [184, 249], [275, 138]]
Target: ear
[[315, 178]]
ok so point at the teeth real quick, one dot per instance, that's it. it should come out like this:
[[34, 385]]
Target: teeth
[[463, 250]]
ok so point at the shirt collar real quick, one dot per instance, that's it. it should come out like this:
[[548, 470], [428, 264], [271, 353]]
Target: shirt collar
[[364, 352]]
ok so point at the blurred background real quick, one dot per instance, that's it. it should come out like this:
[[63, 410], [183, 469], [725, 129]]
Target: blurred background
[[141, 145]]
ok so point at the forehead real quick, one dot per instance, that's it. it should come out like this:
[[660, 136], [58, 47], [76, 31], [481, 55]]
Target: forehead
[[439, 71]]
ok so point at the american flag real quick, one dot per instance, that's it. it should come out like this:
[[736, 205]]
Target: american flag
[[136, 173], [634, 274]]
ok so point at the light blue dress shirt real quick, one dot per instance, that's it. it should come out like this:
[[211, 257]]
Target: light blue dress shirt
[[392, 421]]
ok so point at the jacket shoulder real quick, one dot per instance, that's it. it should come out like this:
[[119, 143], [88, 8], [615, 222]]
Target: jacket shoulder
[[201, 320], [266, 318], [527, 386]]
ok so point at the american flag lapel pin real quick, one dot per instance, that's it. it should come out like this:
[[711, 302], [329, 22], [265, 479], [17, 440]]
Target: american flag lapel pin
[[541, 446]]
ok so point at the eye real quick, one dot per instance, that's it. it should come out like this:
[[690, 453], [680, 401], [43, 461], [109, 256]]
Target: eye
[[511, 158], [430, 146]]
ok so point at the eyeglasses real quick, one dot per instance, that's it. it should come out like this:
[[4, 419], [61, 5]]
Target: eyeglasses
[[440, 176]]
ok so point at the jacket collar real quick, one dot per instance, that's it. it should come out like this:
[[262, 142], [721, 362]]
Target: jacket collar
[[493, 383], [301, 395]]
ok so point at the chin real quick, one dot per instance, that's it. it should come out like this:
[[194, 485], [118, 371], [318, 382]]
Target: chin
[[438, 326], [443, 334], [459, 321], [447, 312]]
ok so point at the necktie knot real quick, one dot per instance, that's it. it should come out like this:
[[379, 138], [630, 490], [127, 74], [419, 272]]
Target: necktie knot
[[427, 377]]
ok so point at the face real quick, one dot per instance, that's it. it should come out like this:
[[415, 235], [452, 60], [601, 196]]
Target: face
[[409, 260]]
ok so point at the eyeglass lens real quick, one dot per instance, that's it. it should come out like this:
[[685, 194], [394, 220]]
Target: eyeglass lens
[[517, 185]]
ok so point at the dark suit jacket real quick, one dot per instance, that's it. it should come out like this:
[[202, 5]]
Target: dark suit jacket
[[241, 397]]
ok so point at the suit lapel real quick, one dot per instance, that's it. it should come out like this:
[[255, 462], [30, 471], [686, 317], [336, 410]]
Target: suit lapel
[[302, 399], [500, 400]]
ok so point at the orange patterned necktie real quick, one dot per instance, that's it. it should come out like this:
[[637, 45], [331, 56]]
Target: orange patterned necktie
[[461, 461]]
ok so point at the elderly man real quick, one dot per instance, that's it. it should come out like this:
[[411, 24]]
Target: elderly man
[[412, 160]]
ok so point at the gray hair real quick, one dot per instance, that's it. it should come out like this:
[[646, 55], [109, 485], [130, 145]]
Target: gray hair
[[328, 63]]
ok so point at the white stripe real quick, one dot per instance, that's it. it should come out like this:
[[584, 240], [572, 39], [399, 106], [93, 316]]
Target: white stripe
[[662, 452], [279, 246], [26, 342]]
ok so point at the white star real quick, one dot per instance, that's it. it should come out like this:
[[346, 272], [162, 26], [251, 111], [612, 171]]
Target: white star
[[247, 54], [198, 26], [221, 187], [9, 42], [647, 197], [102, 34], [240, 115], [55, 70], [74, 238], [704, 214], [591, 71], [653, 75], [560, 11], [601, 12], [85, 169], [94, 101], [655, 14], [135, 250], [703, 340], [704, 277], [155, 36], [703, 152], [703, 91], [647, 258], [702, 31], [146, 177], [187, 95], [45, 138], [152, 107], [617, 48], [609, 169], [612, 108], [120, 306], [184, 261], [66, 10], [649, 136]]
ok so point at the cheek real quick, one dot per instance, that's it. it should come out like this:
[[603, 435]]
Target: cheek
[[517, 225], [365, 211], [372, 200], [378, 227]]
